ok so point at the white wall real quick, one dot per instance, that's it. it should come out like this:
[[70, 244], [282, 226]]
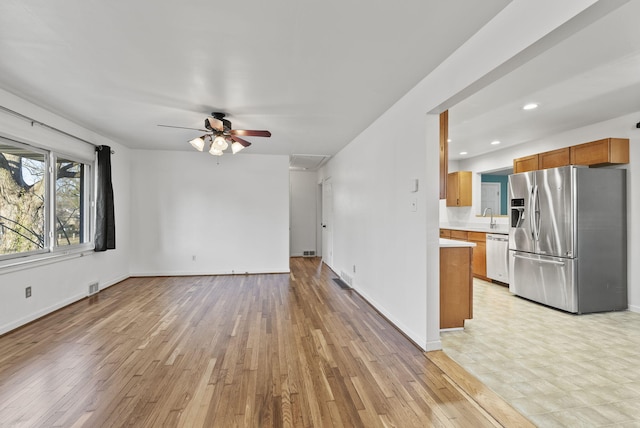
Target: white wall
[[232, 216], [395, 250], [303, 208], [58, 283], [374, 227], [622, 127]]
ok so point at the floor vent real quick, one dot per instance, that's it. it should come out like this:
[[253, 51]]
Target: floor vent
[[93, 288], [341, 283], [309, 253]]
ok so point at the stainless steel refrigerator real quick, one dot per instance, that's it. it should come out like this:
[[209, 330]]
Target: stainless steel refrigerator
[[568, 238]]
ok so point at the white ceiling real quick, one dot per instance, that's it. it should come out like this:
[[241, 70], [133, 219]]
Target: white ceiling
[[591, 76], [315, 74]]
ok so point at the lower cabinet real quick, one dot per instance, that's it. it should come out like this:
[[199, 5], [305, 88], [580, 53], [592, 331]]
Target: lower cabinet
[[456, 286], [479, 253]]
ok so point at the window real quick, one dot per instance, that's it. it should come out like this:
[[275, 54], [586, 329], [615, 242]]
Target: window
[[42, 209]]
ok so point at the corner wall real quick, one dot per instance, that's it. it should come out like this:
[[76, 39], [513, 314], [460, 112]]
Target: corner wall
[[58, 283], [396, 250]]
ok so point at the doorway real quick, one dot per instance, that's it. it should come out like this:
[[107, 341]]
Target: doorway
[[327, 222], [491, 198]]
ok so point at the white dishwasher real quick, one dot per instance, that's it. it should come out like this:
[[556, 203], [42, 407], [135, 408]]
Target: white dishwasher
[[498, 257]]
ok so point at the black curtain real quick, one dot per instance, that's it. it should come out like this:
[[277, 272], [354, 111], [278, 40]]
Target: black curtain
[[105, 219]]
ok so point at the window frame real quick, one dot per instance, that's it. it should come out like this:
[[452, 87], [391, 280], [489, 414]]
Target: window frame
[[50, 248]]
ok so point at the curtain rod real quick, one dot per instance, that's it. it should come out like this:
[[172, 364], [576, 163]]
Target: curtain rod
[[33, 121]]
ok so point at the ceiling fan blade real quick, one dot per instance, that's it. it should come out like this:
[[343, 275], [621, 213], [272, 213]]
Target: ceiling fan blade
[[244, 143], [250, 133], [183, 127], [213, 124]]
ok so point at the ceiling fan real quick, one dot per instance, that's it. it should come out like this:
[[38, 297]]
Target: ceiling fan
[[220, 135]]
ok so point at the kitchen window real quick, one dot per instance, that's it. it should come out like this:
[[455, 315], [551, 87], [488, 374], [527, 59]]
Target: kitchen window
[[44, 199]]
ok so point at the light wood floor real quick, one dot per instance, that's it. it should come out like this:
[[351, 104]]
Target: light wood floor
[[224, 351]]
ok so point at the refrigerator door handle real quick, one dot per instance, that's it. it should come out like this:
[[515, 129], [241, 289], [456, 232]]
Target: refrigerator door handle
[[553, 262], [535, 214], [532, 215]]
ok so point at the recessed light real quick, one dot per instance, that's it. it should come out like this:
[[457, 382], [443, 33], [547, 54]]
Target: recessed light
[[448, 140], [495, 143], [463, 153], [530, 106]]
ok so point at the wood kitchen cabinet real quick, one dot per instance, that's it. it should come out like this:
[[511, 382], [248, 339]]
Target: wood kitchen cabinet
[[456, 286], [554, 158], [608, 151], [479, 253], [459, 189], [460, 235], [445, 233], [524, 164], [444, 152]]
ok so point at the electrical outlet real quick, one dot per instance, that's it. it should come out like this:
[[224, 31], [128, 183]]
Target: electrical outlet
[[27, 292], [354, 268]]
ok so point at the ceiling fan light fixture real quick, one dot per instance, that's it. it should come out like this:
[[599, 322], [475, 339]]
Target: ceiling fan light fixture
[[198, 143], [236, 147], [220, 143], [215, 151]]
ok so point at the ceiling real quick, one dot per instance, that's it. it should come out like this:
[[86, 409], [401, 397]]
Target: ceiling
[[591, 76], [315, 74]]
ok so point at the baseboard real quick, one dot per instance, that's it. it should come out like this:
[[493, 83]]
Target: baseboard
[[417, 340], [57, 306], [207, 273], [633, 308], [434, 345], [39, 314]]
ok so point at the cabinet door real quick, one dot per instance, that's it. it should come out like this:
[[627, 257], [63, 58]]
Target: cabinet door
[[554, 158], [479, 253], [456, 286], [524, 164], [609, 151], [459, 189], [452, 189]]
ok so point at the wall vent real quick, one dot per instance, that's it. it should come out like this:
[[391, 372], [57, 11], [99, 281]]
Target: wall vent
[[346, 278], [309, 253], [93, 288]]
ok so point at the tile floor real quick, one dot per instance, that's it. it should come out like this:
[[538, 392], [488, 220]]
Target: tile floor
[[558, 369]]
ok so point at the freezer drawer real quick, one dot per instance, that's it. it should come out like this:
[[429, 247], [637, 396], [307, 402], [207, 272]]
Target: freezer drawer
[[544, 279]]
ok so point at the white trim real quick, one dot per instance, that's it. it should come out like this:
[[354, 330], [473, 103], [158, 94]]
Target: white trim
[[46, 311], [416, 338]]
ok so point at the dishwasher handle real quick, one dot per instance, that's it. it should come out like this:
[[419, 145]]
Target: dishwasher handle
[[501, 238]]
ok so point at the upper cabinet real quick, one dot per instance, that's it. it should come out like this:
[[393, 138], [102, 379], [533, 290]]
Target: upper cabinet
[[609, 151], [524, 164], [459, 189], [554, 158]]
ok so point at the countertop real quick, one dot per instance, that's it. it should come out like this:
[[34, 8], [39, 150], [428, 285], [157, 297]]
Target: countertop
[[452, 243], [502, 229]]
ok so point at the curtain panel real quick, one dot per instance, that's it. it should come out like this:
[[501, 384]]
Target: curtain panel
[[105, 217]]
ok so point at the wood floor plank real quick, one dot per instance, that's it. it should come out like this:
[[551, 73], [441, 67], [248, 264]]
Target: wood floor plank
[[280, 350]]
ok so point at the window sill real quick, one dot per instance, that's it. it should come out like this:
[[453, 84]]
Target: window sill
[[28, 262]]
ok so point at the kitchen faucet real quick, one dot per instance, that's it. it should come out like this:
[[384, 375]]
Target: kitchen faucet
[[492, 223]]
